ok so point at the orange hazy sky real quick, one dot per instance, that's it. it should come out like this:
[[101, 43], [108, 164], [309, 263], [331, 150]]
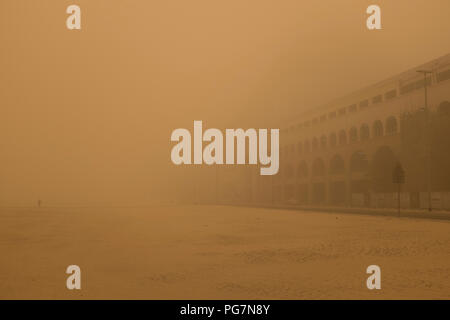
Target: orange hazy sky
[[86, 115]]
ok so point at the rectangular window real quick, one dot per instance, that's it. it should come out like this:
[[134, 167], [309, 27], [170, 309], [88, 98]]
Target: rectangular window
[[420, 83], [332, 115], [323, 118], [352, 108], [407, 88], [377, 99], [342, 111], [414, 85], [364, 104], [315, 121], [390, 94], [444, 75]]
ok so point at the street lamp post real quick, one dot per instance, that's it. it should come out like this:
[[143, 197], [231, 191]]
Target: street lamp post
[[428, 138]]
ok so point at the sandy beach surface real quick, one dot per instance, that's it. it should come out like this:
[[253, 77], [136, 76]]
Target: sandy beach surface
[[219, 252]]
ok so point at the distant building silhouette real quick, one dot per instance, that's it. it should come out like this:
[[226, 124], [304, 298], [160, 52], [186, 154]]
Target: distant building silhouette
[[343, 153]]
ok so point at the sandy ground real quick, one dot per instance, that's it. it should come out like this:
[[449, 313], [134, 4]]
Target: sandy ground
[[202, 252]]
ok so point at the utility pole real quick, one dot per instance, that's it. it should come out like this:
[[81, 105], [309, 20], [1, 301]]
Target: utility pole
[[428, 136], [398, 177]]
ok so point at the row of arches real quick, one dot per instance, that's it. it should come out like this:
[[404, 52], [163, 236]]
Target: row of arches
[[358, 162], [355, 176], [354, 134]]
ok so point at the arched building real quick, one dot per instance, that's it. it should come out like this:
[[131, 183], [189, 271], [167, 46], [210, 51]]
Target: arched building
[[343, 153]]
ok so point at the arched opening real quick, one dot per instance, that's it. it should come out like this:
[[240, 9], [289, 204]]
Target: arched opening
[[299, 148], [377, 129], [353, 135], [277, 194], [286, 151], [303, 193], [333, 140], [391, 125], [315, 144], [289, 172], [318, 168], [289, 193], [302, 174], [288, 186], [440, 156], [337, 185], [359, 162], [359, 179], [337, 165], [444, 108], [323, 141], [342, 137], [382, 166], [307, 146], [302, 170], [364, 132]]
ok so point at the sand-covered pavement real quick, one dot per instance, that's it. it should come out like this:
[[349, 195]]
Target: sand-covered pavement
[[201, 252]]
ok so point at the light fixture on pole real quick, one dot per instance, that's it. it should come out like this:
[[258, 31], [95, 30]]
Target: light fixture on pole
[[428, 133]]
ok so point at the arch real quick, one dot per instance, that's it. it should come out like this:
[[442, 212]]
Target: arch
[[302, 170], [299, 148], [318, 193], [332, 139], [289, 172], [289, 193], [302, 193], [359, 162], [323, 141], [342, 137], [391, 125], [382, 166], [364, 132], [353, 135], [318, 187], [444, 108], [307, 146], [359, 179], [337, 165], [377, 129], [318, 168], [315, 143]]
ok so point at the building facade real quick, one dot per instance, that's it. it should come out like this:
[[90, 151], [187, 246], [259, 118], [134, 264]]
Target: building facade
[[333, 154]]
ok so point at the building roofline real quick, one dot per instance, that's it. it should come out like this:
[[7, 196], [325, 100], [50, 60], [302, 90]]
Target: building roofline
[[403, 76]]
